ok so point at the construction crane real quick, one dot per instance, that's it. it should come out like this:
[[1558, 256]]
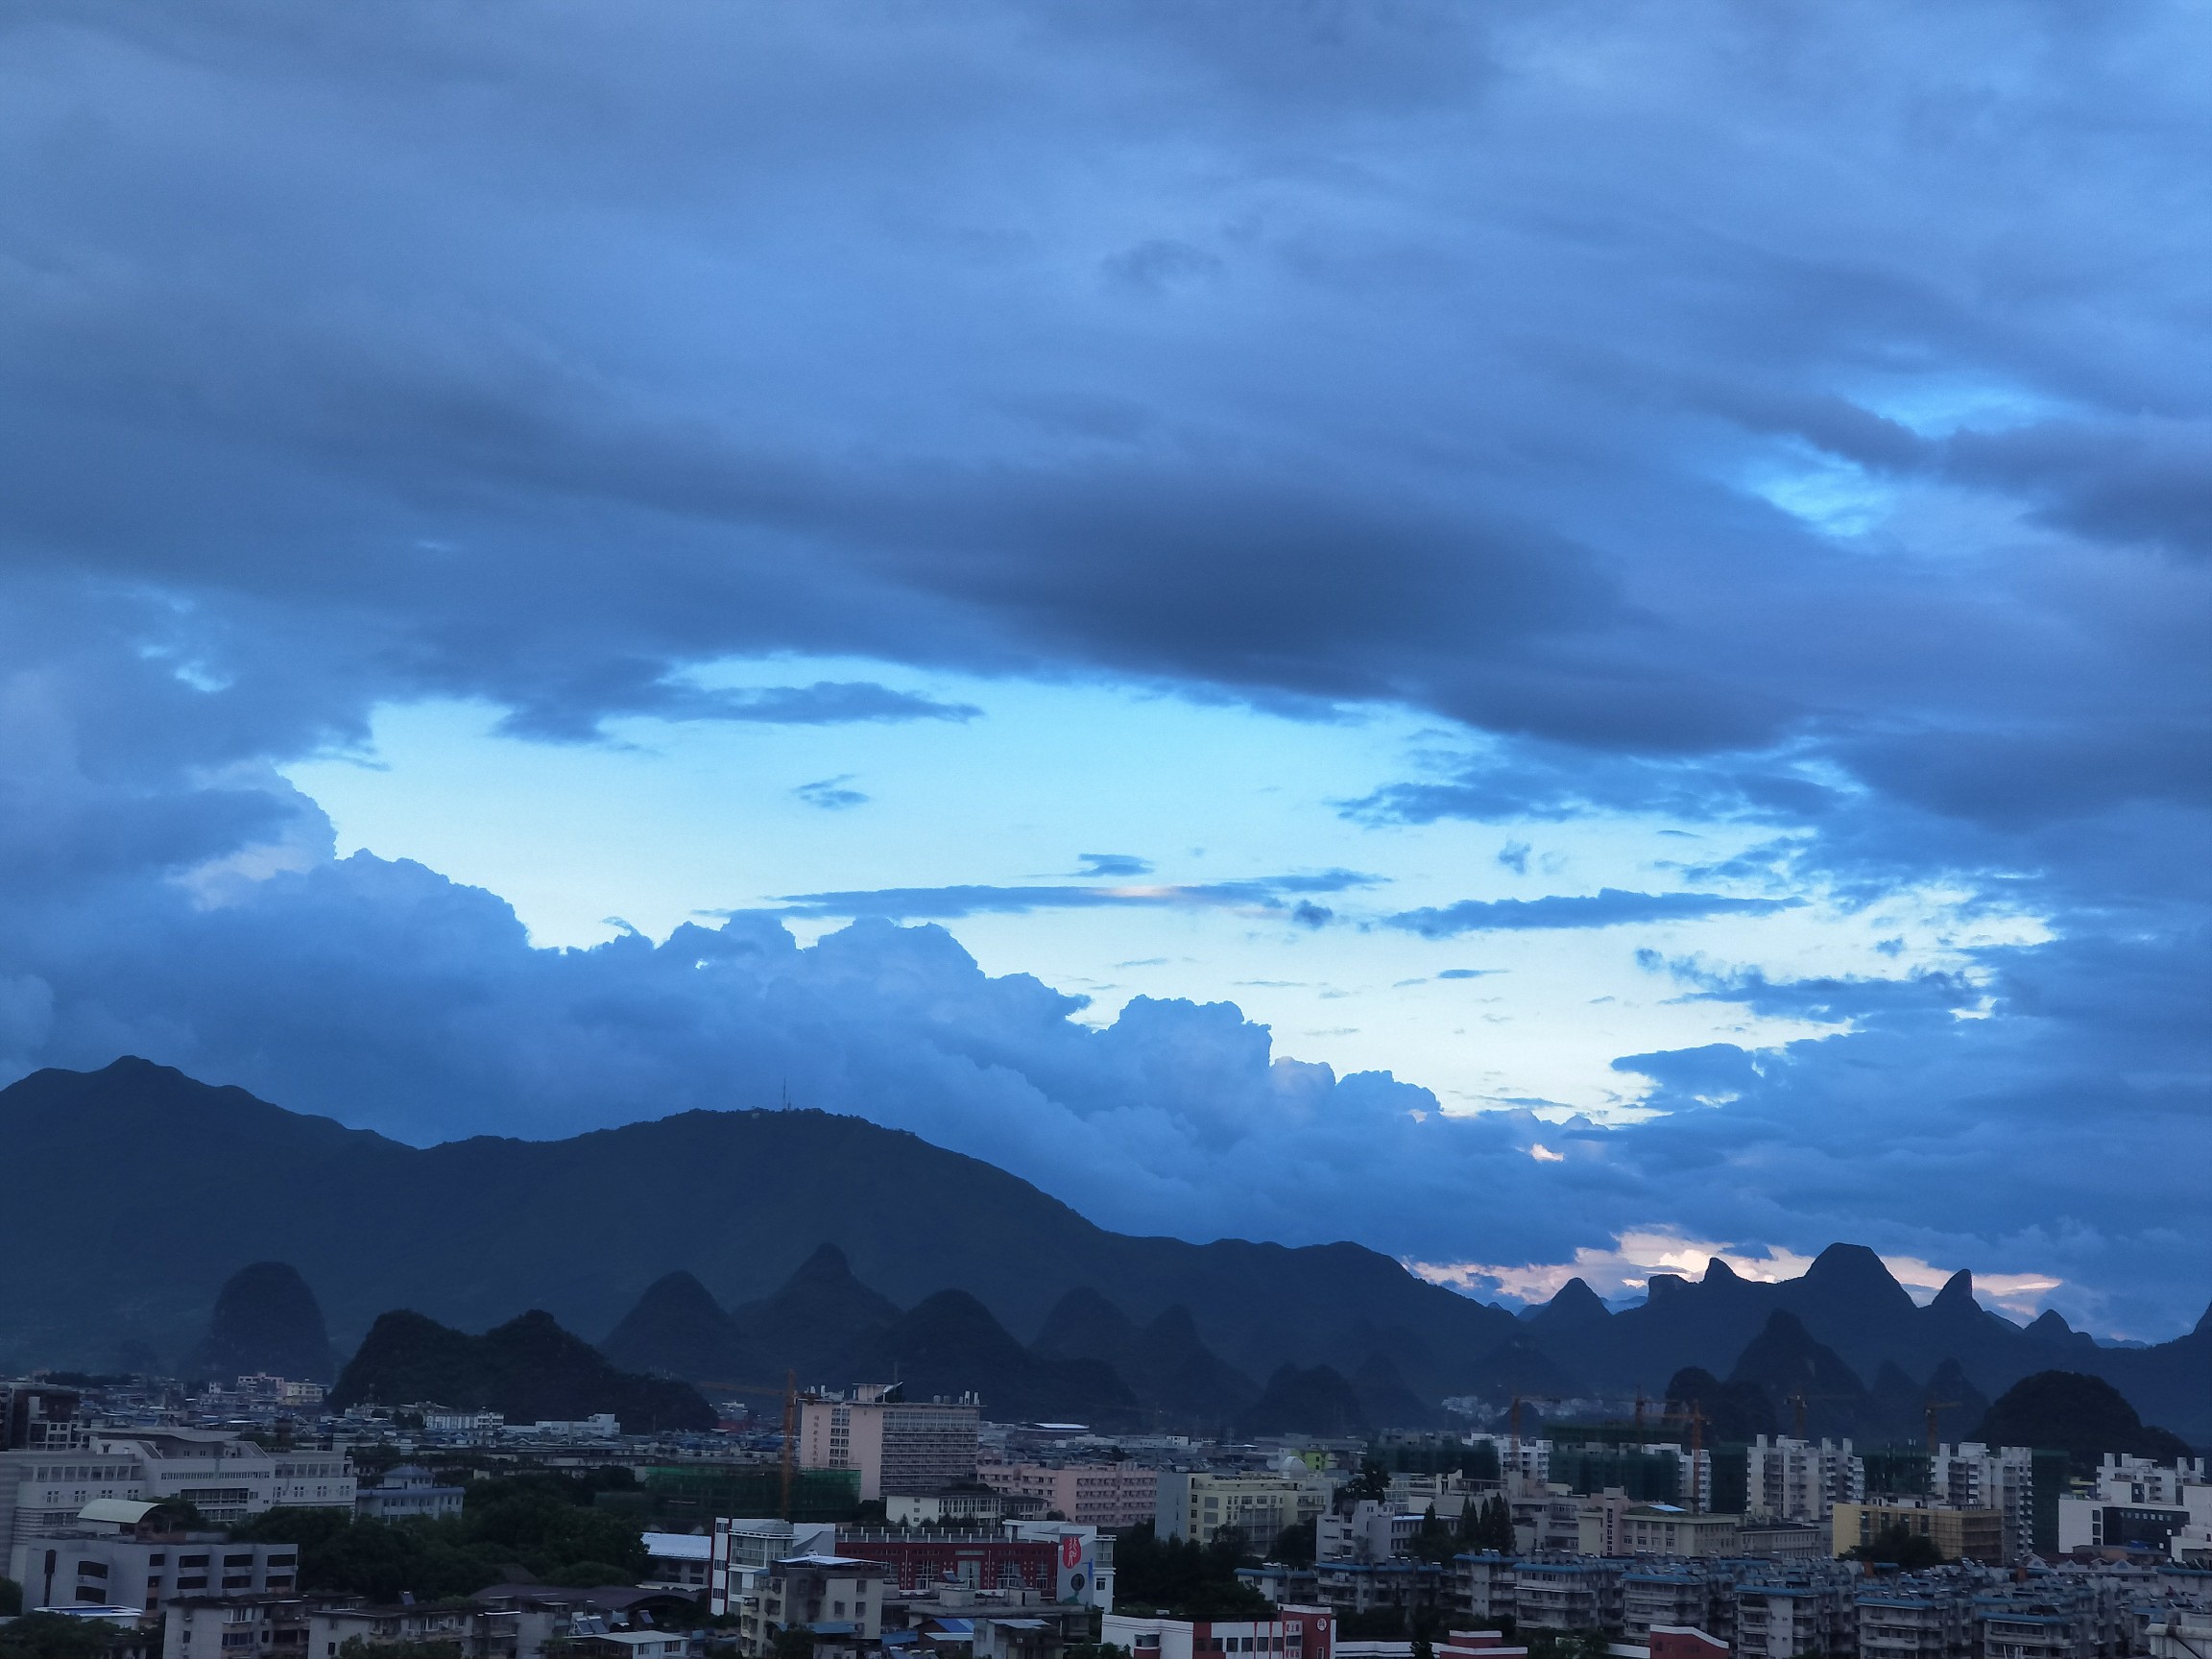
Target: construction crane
[[1935, 1405], [1799, 1400]]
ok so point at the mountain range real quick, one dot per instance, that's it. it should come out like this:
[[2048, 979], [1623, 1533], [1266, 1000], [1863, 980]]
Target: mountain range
[[695, 1242]]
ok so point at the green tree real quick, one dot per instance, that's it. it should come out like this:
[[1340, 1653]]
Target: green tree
[[1181, 1575], [793, 1641], [1296, 1544], [1373, 1481], [54, 1636], [1487, 1525], [10, 1597]]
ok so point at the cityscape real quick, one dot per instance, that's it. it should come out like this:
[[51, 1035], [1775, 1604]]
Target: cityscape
[[822, 1474], [1105, 830]]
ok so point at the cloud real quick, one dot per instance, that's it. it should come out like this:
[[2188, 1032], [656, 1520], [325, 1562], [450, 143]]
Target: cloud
[[946, 904], [830, 794], [1113, 864], [1607, 907]]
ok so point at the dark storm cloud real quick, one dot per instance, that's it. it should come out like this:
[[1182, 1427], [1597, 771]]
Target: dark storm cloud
[[1737, 416]]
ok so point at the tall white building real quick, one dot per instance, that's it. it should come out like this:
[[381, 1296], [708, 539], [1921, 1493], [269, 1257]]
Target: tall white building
[[1790, 1479], [1971, 1475]]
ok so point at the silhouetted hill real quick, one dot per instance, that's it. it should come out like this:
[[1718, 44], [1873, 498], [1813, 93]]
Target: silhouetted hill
[[581, 1226], [529, 1369], [2084, 1416], [948, 1344], [1177, 1380], [1734, 1410], [816, 1318], [1574, 1311], [1517, 1365], [266, 1322], [1299, 1399], [678, 1330], [1790, 1368], [472, 1232], [1850, 1303], [1386, 1399]]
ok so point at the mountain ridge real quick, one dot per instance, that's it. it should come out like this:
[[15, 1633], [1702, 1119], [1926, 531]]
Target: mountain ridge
[[473, 1231]]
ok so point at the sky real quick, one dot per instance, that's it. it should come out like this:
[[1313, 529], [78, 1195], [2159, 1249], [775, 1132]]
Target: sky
[[1559, 639]]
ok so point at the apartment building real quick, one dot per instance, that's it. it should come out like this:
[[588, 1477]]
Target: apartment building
[[1958, 1534], [893, 1443], [1481, 1587], [1971, 1475], [839, 1598], [1790, 1479], [226, 1478], [2137, 1503], [1193, 1503], [1567, 1593], [106, 1565], [1782, 1620], [1108, 1495], [1922, 1618]]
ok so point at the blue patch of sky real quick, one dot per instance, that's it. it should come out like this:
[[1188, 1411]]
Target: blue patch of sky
[[1240, 877]]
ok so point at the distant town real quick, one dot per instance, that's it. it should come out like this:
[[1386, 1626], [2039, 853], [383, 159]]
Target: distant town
[[251, 1515]]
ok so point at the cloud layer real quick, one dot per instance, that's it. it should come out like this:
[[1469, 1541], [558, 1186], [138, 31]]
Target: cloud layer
[[1792, 418]]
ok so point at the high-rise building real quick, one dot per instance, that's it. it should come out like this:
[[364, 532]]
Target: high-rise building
[[1787, 1480], [893, 1444]]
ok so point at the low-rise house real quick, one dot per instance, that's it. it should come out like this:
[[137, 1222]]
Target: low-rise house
[[409, 1492], [839, 1598], [240, 1628], [678, 1561]]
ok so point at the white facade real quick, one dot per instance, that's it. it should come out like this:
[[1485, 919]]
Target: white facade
[[742, 1550], [85, 1569], [225, 1478], [1790, 1479]]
